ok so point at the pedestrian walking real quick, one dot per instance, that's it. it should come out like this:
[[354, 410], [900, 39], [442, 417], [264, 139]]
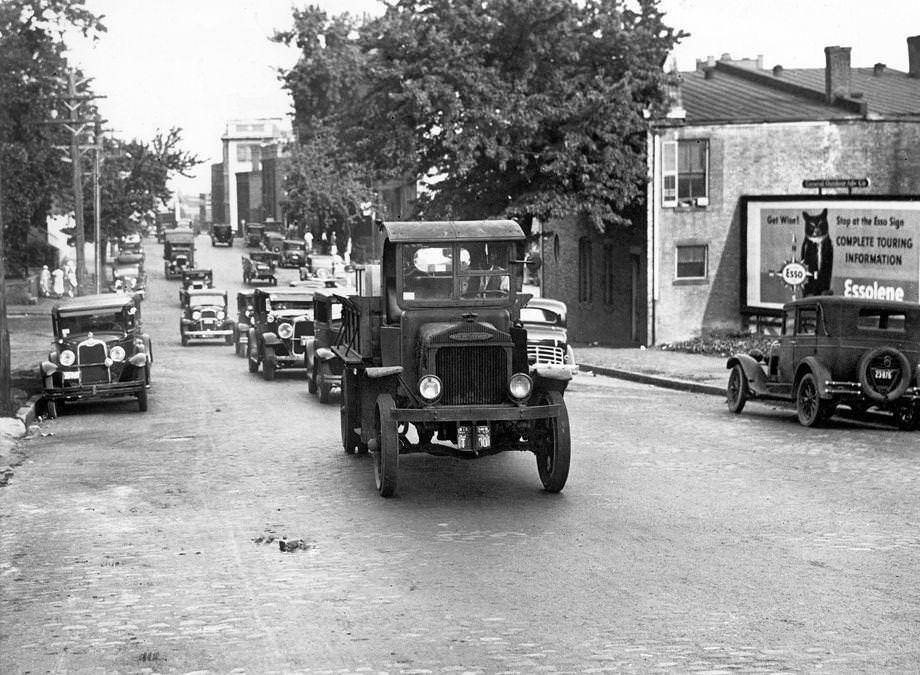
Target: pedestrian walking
[[57, 283], [71, 279], [44, 282]]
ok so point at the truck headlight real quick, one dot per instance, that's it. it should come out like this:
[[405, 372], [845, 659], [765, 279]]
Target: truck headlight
[[68, 358], [429, 387], [285, 331], [519, 386], [117, 353]]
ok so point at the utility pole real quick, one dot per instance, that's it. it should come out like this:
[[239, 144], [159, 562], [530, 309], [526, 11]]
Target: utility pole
[[77, 125], [6, 382], [97, 206]]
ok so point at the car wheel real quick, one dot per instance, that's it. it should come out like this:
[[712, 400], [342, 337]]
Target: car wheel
[[737, 392], [553, 446], [907, 416], [184, 338], [811, 409], [311, 380], [51, 407], [323, 384], [142, 400], [386, 457], [268, 364], [252, 357], [228, 339]]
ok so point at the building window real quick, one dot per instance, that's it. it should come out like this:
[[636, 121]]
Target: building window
[[691, 261], [247, 153], [609, 294], [584, 270], [685, 173]]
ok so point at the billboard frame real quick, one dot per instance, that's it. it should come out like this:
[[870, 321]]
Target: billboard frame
[[744, 200]]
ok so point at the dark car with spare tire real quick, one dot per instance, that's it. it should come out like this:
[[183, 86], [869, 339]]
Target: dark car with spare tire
[[833, 351]]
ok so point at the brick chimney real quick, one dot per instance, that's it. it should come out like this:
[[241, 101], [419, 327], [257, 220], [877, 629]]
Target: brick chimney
[[913, 56], [837, 72]]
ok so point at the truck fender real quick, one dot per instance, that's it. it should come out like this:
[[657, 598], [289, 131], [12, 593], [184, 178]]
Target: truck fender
[[325, 354], [270, 339], [378, 372], [822, 374], [757, 379], [549, 378]]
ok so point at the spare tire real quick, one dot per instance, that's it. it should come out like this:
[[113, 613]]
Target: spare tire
[[887, 360]]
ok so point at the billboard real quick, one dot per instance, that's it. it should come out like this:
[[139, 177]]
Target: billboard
[[859, 246]]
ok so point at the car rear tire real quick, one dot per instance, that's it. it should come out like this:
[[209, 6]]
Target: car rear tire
[[737, 392], [184, 338], [311, 380], [810, 408], [349, 415], [553, 446], [268, 364], [386, 458], [907, 416], [142, 400], [252, 357]]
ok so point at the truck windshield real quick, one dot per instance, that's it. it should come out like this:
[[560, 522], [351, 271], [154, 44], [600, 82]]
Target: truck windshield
[[481, 268]]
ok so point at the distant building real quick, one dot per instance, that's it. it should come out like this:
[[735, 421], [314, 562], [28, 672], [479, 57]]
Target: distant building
[[242, 142], [739, 136]]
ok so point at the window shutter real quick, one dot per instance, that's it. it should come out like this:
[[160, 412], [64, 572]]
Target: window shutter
[[669, 173]]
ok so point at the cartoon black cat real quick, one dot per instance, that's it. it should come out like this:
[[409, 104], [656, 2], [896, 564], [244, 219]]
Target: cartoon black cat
[[817, 255]]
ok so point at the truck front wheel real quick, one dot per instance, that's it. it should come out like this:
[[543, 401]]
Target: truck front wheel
[[386, 456], [552, 446]]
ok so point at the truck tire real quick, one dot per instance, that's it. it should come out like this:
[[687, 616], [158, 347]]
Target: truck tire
[[553, 446], [252, 357], [386, 457]]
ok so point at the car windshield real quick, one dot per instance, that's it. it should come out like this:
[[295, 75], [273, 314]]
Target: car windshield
[[294, 246], [98, 322], [288, 305], [209, 299], [127, 271]]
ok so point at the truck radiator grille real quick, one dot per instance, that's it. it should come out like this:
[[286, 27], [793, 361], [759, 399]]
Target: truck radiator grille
[[472, 375]]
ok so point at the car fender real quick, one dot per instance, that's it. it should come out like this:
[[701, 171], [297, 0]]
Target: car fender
[[753, 370], [270, 339], [821, 373]]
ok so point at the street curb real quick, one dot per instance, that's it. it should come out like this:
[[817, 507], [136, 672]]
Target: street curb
[[26, 413], [656, 380]]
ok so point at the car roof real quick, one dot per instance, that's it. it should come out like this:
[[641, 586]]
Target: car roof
[[547, 303], [192, 292], [452, 230], [856, 303], [91, 303]]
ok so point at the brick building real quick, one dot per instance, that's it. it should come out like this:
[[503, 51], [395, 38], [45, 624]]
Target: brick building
[[734, 130]]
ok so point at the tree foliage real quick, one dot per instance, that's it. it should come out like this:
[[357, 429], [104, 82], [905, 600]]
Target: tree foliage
[[32, 80], [134, 180], [508, 107]]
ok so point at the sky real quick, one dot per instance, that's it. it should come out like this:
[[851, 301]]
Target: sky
[[195, 64]]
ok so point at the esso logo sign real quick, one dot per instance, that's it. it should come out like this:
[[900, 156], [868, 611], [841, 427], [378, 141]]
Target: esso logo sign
[[794, 273]]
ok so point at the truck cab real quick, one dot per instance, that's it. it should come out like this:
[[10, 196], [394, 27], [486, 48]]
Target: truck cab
[[435, 359]]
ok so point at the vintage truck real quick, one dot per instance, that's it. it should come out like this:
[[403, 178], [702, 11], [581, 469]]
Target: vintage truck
[[178, 252], [434, 357]]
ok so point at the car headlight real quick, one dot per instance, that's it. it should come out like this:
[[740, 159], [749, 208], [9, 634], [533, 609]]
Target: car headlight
[[429, 387], [271, 318], [221, 315], [285, 330], [196, 315], [117, 353], [520, 385], [68, 358]]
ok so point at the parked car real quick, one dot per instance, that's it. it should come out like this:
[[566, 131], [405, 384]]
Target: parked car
[[293, 253], [243, 321], [272, 241], [835, 350], [324, 370], [322, 266], [128, 278], [281, 324], [221, 233], [204, 316], [547, 335], [99, 351], [260, 267]]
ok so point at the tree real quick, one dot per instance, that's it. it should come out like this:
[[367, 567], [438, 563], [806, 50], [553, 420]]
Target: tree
[[32, 79], [134, 180], [522, 108]]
